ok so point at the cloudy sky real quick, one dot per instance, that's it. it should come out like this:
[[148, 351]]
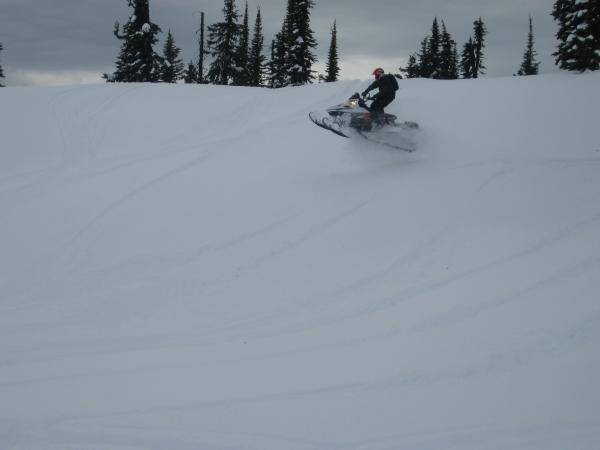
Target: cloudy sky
[[71, 41]]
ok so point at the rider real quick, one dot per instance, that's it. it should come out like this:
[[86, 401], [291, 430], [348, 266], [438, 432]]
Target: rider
[[387, 86]]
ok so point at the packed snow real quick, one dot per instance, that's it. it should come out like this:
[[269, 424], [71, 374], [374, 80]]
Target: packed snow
[[200, 267]]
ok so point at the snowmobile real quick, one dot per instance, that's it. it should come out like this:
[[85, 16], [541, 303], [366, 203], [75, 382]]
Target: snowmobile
[[353, 117]]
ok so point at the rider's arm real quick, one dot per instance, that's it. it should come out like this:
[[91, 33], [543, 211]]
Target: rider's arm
[[374, 85]]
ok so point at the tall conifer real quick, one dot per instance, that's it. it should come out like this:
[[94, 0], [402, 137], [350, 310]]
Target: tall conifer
[[425, 68], [222, 42], [529, 66], [561, 12], [279, 56], [172, 66], [333, 68], [479, 34], [240, 75], [137, 61], [578, 34], [300, 42], [593, 22], [433, 51], [467, 60], [256, 63], [448, 65], [472, 57]]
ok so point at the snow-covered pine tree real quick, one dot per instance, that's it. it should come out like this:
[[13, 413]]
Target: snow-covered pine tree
[[240, 74], [171, 66], [578, 34], [588, 52], [593, 22], [467, 60], [222, 42], [301, 42], [137, 61], [333, 67], [479, 34], [448, 66], [529, 66], [561, 13], [1, 71], [412, 67], [256, 62], [191, 74]]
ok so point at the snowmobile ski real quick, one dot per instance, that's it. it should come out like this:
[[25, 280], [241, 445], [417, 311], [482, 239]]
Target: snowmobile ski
[[326, 124]]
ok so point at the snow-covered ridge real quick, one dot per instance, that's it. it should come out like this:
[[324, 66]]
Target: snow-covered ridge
[[199, 267]]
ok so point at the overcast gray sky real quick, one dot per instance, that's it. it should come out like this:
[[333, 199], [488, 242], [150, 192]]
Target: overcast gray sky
[[71, 41]]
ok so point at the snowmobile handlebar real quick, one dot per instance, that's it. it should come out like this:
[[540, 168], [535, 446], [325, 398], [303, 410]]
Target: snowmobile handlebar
[[361, 99]]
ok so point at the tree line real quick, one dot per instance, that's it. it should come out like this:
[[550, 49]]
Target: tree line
[[236, 51], [438, 57], [238, 54], [578, 48]]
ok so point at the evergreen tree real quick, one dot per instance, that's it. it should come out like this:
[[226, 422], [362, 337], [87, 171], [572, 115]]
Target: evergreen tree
[[479, 34], [455, 63], [412, 69], [529, 66], [1, 71], [271, 66], [277, 66], [578, 34], [240, 75], [448, 65], [222, 42], [301, 42], [172, 66], [137, 61], [467, 61], [433, 51], [589, 51], [256, 63], [594, 28], [425, 68], [561, 12], [191, 74], [472, 55], [333, 68], [437, 57]]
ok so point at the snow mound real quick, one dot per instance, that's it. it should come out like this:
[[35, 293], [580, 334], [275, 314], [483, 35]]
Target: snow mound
[[200, 267]]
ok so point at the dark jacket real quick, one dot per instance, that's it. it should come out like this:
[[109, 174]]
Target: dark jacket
[[386, 84]]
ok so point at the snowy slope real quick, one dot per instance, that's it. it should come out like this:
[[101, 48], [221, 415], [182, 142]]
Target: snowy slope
[[188, 267]]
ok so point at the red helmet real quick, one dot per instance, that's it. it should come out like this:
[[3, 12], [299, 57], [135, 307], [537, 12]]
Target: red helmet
[[378, 72]]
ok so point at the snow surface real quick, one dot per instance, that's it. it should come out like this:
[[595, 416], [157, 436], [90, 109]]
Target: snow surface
[[200, 267]]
